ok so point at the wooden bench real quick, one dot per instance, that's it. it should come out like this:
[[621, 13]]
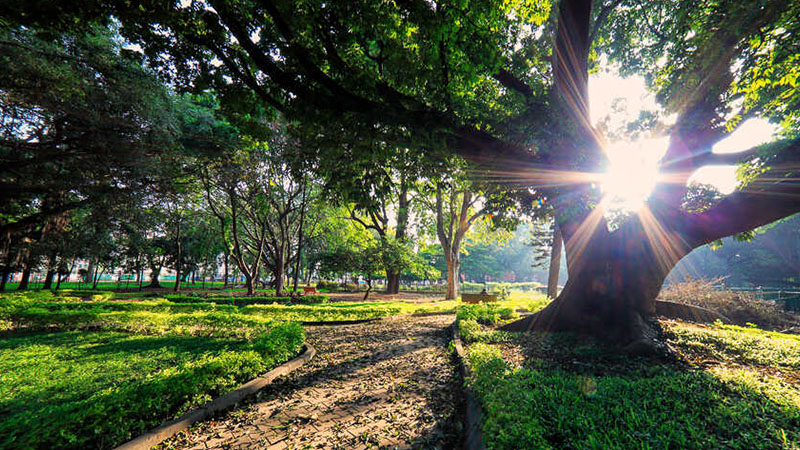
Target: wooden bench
[[478, 298], [309, 290]]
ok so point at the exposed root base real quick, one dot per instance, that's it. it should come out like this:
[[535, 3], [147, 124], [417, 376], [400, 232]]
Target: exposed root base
[[633, 334]]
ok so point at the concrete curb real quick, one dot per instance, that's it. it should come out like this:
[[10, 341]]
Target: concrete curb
[[162, 432], [473, 436]]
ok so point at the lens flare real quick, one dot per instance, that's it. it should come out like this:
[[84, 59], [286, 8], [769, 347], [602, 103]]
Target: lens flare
[[631, 173]]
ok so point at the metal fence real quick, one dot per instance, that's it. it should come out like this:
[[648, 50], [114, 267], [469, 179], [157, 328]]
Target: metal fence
[[790, 300]]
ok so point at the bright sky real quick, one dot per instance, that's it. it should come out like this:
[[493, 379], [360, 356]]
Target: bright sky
[[631, 97]]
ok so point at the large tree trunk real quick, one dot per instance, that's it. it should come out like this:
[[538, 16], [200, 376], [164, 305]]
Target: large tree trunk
[[453, 266], [611, 292], [555, 263]]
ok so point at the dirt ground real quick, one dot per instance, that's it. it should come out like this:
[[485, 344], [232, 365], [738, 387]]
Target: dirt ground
[[388, 384]]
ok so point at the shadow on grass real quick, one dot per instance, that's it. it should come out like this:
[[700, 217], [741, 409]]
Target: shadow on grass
[[97, 389], [572, 393]]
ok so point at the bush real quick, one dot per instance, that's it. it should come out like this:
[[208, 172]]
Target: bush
[[486, 313], [333, 286], [325, 284]]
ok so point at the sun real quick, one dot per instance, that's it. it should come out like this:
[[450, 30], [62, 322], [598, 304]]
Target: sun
[[631, 174]]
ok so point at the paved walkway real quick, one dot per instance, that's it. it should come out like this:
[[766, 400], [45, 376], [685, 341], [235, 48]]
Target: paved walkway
[[387, 384]]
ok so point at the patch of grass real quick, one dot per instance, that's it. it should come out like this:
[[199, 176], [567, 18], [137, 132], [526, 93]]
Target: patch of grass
[[99, 389], [244, 301], [574, 394], [487, 313], [734, 344], [42, 311]]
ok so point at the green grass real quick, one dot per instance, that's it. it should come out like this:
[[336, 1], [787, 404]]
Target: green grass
[[735, 388], [139, 364], [98, 389], [68, 309]]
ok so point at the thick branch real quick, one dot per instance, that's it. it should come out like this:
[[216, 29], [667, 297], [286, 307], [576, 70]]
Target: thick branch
[[508, 80], [773, 195]]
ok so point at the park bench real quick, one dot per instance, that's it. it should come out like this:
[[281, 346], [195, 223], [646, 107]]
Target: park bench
[[309, 290], [478, 298]]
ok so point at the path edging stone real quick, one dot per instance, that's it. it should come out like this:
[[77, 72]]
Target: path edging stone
[[473, 436], [168, 429]]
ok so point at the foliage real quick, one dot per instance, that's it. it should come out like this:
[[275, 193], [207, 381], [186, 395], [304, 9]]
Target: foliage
[[487, 313]]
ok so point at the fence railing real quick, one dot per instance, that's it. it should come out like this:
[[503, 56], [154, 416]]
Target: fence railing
[[789, 299]]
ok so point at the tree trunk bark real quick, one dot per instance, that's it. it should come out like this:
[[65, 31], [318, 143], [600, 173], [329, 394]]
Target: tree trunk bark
[[392, 282], [4, 280], [26, 276], [89, 273], [280, 278], [248, 282], [369, 289], [453, 265], [611, 294], [225, 274], [555, 263], [48, 279], [96, 277], [155, 272]]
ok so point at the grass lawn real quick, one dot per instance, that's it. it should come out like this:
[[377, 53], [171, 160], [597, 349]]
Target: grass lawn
[[97, 389], [724, 387], [76, 308]]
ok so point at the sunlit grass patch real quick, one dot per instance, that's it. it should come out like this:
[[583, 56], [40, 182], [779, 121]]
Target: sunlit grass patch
[[567, 393], [730, 343], [97, 389]]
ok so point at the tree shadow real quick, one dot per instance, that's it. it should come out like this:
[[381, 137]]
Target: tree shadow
[[579, 393]]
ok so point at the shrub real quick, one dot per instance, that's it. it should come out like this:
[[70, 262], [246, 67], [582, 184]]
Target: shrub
[[487, 313]]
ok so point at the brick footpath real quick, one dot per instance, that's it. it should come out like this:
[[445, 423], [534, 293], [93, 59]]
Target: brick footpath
[[388, 384]]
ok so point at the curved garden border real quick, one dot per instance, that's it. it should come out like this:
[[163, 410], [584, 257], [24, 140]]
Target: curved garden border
[[473, 436], [166, 430]]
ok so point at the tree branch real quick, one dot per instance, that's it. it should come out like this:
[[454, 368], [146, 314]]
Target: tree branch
[[508, 80], [773, 195]]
